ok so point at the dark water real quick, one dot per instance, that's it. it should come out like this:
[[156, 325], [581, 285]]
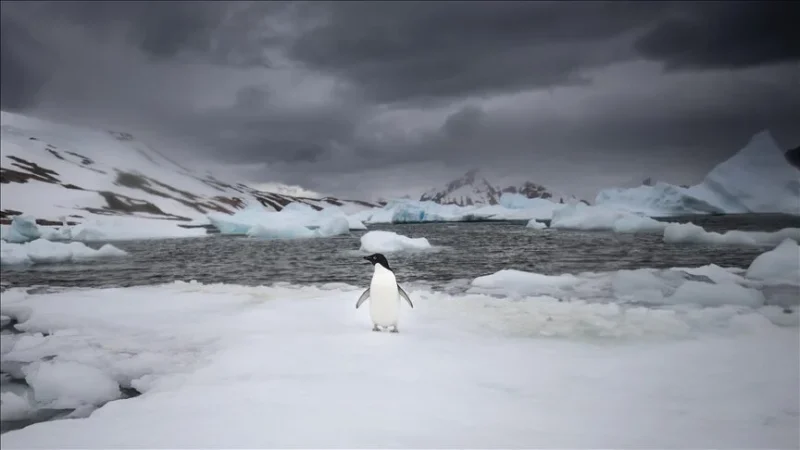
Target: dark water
[[468, 250]]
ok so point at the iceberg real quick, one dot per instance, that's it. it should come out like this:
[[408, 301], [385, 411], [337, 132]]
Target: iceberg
[[536, 225], [23, 229], [595, 218], [295, 221], [42, 251], [410, 211], [691, 233], [757, 179], [388, 242], [780, 265]]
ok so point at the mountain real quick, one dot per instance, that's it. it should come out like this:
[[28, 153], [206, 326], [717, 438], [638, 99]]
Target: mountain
[[474, 189], [51, 170]]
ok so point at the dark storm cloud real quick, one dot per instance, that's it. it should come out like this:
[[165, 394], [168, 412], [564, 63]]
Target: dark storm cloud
[[339, 95], [725, 35], [418, 50]]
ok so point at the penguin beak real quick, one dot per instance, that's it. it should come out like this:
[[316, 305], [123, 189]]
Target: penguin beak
[[367, 258]]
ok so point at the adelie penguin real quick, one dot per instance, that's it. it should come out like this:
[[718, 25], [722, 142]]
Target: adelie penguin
[[384, 295]]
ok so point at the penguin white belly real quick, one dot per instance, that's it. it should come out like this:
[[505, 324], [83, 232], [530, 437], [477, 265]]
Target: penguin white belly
[[384, 300]]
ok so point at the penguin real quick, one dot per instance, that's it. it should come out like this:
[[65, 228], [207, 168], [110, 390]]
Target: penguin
[[384, 294]]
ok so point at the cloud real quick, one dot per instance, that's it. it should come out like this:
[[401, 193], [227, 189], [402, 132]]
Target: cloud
[[374, 99]]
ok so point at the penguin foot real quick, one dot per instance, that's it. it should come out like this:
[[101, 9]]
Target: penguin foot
[[376, 328], [394, 330]]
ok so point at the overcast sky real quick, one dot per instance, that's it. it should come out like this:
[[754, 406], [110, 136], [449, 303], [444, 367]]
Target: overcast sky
[[377, 99]]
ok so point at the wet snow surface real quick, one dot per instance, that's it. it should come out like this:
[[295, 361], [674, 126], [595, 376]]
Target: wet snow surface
[[519, 338]]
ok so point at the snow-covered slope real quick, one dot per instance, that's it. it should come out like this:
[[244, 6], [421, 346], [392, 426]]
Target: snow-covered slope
[[760, 178], [474, 189], [50, 170]]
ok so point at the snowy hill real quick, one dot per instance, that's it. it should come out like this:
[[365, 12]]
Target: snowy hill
[[760, 178], [51, 170], [474, 189]]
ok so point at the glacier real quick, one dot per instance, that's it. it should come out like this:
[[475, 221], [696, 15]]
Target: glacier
[[757, 179]]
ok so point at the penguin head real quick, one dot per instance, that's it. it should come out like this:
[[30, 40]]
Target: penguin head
[[377, 258]]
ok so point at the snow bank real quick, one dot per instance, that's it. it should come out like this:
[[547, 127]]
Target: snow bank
[[691, 233], [42, 251], [780, 265], [294, 221], [595, 218], [388, 242], [468, 370], [757, 179]]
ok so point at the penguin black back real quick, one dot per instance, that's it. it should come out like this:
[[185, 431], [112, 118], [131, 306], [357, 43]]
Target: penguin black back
[[377, 258]]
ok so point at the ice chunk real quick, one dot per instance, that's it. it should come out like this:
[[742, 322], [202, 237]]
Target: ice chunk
[[23, 229], [127, 228], [533, 223], [67, 385], [42, 251], [280, 230], [523, 283], [591, 218], [14, 406], [387, 242], [707, 294], [780, 265], [691, 233], [333, 226], [661, 199]]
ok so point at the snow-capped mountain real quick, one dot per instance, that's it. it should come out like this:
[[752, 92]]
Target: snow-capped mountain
[[52, 171], [474, 189]]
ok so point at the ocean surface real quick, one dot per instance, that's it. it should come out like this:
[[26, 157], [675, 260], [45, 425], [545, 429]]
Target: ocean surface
[[463, 251]]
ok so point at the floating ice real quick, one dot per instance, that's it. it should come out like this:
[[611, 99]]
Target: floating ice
[[295, 221], [758, 179], [462, 372], [591, 218], [533, 223], [780, 265], [42, 251], [23, 229], [691, 233], [408, 211], [519, 282], [387, 242]]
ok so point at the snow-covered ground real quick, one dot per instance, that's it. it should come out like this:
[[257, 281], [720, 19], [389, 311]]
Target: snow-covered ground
[[517, 360]]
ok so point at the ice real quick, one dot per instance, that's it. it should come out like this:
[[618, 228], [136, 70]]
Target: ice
[[757, 179], [225, 366], [780, 265], [23, 229], [409, 211], [42, 251], [691, 233], [295, 221], [388, 242], [67, 384], [14, 406], [585, 217], [533, 223], [707, 294], [510, 281]]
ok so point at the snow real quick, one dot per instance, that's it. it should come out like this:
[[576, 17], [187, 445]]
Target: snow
[[226, 366], [757, 179], [691, 233], [388, 242], [42, 251], [585, 217], [780, 265], [81, 164]]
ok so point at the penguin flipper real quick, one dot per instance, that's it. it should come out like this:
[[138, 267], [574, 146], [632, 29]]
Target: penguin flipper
[[363, 298], [404, 295]]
